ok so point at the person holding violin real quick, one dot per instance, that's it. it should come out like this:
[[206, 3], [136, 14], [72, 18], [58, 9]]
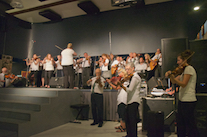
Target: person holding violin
[[130, 58], [86, 65], [97, 85], [59, 67], [185, 76], [4, 80], [121, 98], [49, 69], [133, 99], [34, 68], [106, 73]]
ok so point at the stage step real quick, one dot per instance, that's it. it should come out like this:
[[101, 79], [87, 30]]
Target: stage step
[[7, 133], [25, 99], [20, 105], [15, 114], [32, 92], [10, 124], [28, 111]]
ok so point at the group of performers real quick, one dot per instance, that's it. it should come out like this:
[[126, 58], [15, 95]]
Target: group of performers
[[127, 81]]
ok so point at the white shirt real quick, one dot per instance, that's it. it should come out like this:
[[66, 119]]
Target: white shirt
[[6, 80], [115, 62], [134, 89], [85, 63], [103, 67], [131, 60], [188, 93], [97, 88], [122, 94], [34, 67], [49, 65], [159, 58], [67, 57], [140, 67], [59, 67]]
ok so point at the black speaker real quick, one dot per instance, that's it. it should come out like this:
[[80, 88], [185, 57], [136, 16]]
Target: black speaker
[[51, 15], [89, 7], [170, 48], [159, 104], [201, 114], [21, 82], [2, 23], [199, 62], [155, 124], [122, 3], [56, 82]]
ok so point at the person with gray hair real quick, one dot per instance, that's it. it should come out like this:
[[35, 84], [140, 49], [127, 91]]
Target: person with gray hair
[[67, 63], [133, 100]]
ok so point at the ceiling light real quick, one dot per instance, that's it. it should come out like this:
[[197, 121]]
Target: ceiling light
[[17, 4], [196, 8]]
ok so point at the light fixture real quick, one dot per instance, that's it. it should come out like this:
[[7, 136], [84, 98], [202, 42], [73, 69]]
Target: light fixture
[[196, 8], [17, 4]]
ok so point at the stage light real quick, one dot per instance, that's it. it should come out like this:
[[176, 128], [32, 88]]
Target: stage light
[[196, 8]]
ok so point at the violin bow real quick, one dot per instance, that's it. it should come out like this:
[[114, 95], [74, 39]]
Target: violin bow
[[58, 47]]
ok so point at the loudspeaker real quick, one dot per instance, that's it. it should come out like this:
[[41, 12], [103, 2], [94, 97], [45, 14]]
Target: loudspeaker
[[56, 82], [122, 3], [51, 15], [89, 7], [201, 114], [158, 104], [155, 124], [170, 48], [199, 62], [2, 23]]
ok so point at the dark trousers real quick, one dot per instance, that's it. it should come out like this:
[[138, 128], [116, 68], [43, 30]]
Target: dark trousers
[[78, 80], [35, 77], [97, 107], [69, 75], [158, 71], [48, 75], [59, 73], [86, 76], [186, 120], [132, 113]]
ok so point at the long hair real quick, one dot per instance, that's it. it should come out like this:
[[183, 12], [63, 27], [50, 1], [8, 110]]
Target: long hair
[[185, 55]]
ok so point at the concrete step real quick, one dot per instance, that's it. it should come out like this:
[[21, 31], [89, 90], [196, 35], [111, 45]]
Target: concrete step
[[15, 114], [24, 99], [10, 124], [7, 133], [36, 92], [20, 105]]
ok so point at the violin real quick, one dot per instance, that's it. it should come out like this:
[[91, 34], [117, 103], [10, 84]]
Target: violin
[[11, 76], [115, 79], [178, 70]]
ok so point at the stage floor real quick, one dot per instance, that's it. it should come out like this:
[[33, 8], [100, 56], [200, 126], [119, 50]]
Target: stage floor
[[84, 129]]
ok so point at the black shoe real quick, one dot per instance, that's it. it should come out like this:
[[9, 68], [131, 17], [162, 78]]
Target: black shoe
[[94, 123], [100, 124]]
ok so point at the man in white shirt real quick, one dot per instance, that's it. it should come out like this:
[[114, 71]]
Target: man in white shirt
[[157, 59], [67, 63], [141, 67], [4, 82], [86, 67], [97, 85]]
